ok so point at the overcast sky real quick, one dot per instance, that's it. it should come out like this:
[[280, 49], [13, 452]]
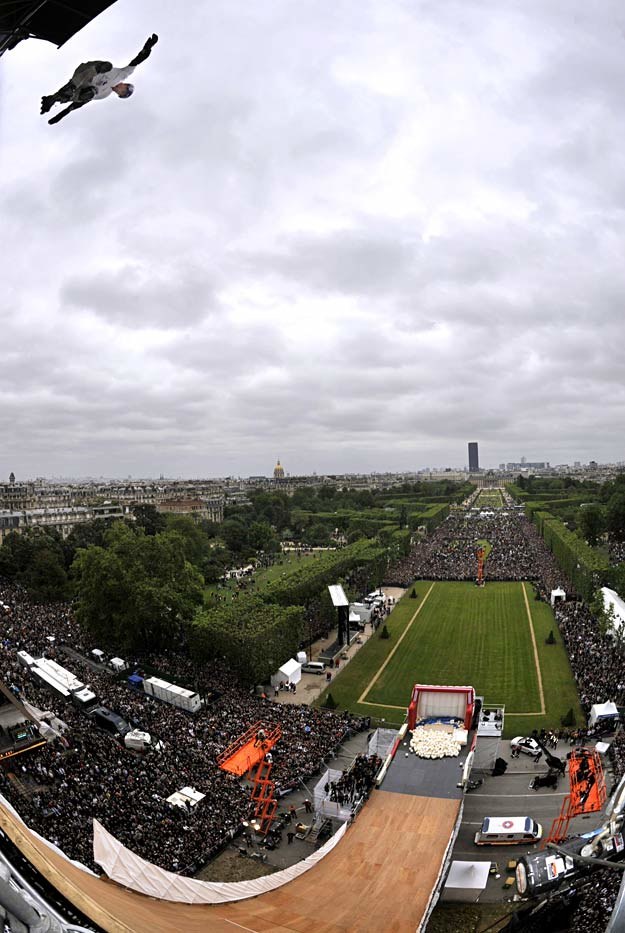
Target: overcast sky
[[353, 235]]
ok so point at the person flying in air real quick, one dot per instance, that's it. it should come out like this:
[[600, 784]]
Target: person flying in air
[[94, 81]]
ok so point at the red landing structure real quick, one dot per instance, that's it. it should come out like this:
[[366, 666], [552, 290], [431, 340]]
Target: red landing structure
[[480, 566], [247, 751], [588, 792]]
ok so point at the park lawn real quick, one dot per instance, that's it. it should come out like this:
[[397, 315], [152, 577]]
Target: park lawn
[[464, 635], [558, 681], [265, 574]]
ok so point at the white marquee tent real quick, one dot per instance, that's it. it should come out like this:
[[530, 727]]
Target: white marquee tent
[[558, 595], [289, 673], [601, 711], [612, 601]]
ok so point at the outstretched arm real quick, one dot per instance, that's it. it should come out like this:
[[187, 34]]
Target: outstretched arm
[[145, 51]]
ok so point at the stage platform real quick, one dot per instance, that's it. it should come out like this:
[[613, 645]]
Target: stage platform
[[380, 877]]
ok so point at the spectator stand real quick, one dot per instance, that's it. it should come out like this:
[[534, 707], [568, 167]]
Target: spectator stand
[[325, 807]]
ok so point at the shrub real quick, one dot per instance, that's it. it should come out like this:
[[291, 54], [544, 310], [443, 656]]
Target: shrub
[[413, 595], [551, 640], [385, 632], [330, 702], [569, 719]]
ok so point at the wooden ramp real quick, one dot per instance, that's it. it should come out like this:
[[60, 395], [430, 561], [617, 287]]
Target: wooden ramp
[[379, 878]]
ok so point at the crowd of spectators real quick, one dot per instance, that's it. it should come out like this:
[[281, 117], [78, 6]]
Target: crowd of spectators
[[596, 901], [517, 551], [87, 773], [597, 660], [355, 782]]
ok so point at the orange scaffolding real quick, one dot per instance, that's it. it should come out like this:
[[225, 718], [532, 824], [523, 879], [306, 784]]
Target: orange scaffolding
[[264, 796], [248, 750], [480, 566], [587, 794]]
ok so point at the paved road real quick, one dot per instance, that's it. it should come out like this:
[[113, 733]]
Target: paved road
[[509, 795]]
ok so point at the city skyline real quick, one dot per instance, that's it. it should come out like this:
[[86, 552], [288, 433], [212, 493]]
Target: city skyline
[[355, 237]]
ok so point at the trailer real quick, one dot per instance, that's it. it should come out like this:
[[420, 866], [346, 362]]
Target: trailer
[[46, 680], [61, 674], [171, 693]]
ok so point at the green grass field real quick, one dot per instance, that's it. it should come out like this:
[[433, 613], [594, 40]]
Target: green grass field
[[456, 633], [265, 574]]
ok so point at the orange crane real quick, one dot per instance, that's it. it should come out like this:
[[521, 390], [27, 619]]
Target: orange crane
[[587, 792]]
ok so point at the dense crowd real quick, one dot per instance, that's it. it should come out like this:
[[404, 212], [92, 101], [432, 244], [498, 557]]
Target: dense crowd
[[517, 551], [88, 774], [355, 782], [596, 902], [597, 661]]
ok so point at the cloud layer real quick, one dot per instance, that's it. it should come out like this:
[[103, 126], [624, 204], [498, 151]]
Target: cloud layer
[[352, 235]]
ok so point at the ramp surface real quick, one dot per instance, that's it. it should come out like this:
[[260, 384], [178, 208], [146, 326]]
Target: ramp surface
[[380, 877]]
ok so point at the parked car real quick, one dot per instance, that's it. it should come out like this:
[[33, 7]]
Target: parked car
[[525, 744]]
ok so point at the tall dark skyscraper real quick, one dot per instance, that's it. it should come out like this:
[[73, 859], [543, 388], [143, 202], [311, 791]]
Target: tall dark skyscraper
[[474, 460]]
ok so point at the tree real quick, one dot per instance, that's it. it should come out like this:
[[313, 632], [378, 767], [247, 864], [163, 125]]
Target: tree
[[148, 518], [403, 517], [234, 534], [615, 516], [36, 561], [592, 522], [138, 590], [261, 536], [318, 535]]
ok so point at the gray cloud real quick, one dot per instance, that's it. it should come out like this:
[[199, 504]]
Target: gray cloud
[[353, 237]]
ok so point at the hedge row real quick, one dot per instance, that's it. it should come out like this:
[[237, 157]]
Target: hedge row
[[253, 637], [307, 581], [585, 566], [431, 517]]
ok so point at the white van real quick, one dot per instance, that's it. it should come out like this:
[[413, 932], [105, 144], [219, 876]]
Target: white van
[[508, 831], [313, 667]]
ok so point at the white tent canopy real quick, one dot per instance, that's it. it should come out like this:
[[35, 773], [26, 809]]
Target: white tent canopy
[[465, 881], [289, 673], [612, 601], [557, 595], [602, 711]]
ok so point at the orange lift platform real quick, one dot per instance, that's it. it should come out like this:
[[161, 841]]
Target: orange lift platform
[[587, 795], [249, 749]]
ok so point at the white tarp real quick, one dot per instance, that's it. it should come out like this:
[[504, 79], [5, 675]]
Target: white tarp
[[465, 881], [612, 601], [381, 742], [131, 871], [289, 673], [602, 711], [187, 797]]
